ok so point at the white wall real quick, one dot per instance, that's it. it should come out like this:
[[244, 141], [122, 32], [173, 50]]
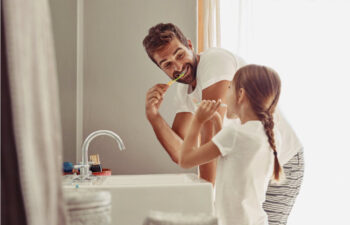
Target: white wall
[[117, 75], [64, 22]]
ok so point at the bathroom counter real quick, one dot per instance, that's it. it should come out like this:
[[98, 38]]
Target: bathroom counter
[[134, 196]]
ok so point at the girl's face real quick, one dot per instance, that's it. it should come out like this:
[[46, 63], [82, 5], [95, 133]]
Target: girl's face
[[231, 98]]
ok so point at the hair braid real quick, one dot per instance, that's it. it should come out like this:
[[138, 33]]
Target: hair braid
[[267, 120]]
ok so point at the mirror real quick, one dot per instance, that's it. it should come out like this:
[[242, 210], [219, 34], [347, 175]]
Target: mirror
[[104, 74]]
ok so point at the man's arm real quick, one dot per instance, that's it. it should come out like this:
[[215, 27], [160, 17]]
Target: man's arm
[[170, 138], [182, 120], [191, 155], [214, 92]]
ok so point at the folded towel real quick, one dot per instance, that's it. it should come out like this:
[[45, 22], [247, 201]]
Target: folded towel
[[88, 207], [167, 218], [86, 198], [91, 219]]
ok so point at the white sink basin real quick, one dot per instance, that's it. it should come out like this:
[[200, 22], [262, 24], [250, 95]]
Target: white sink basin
[[133, 196]]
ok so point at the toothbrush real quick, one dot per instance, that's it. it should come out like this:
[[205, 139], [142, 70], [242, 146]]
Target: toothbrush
[[173, 81]]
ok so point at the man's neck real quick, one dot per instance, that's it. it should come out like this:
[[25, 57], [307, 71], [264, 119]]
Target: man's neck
[[194, 83]]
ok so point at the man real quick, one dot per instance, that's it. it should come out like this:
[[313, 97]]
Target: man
[[207, 76]]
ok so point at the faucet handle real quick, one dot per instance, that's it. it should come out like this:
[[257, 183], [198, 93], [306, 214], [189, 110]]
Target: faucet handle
[[78, 166], [84, 169]]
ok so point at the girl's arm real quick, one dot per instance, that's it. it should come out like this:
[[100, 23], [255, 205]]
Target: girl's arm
[[190, 154]]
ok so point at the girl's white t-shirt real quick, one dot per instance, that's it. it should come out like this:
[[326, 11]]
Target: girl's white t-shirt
[[243, 173]]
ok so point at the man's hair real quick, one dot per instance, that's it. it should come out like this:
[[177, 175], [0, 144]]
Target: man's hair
[[161, 35]]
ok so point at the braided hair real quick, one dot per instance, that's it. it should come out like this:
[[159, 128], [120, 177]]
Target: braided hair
[[262, 86]]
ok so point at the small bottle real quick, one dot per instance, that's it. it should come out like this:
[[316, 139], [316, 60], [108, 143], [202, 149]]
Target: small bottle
[[96, 165]]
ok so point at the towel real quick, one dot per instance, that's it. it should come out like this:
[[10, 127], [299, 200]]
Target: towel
[[88, 207], [169, 218], [35, 109]]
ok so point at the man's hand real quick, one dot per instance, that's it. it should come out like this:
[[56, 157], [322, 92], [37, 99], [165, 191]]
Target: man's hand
[[154, 98]]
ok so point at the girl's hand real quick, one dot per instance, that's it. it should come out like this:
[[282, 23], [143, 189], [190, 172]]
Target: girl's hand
[[206, 110]]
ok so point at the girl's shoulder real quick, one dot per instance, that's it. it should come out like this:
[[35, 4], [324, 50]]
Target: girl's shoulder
[[250, 131]]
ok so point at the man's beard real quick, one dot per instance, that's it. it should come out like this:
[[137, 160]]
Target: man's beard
[[188, 79]]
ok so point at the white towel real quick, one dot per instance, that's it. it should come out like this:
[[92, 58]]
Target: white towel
[[88, 207], [35, 108], [168, 218]]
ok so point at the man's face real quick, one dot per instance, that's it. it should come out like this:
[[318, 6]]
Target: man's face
[[175, 58]]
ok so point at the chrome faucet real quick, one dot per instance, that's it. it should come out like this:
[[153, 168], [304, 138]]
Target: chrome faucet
[[84, 166]]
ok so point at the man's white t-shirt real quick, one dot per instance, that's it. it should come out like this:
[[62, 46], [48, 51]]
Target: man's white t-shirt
[[217, 64], [243, 173]]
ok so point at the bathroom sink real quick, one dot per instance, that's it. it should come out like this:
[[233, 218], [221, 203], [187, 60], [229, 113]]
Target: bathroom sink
[[134, 196]]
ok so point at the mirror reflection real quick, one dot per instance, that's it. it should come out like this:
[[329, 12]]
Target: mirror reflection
[[105, 73]]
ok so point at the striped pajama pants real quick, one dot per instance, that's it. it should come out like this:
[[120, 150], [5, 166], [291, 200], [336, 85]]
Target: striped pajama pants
[[280, 198]]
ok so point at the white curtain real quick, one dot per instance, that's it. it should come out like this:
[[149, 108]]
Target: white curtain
[[211, 24], [237, 26], [35, 107], [307, 42]]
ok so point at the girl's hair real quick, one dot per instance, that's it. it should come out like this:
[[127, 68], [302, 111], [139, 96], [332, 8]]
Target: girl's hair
[[262, 86], [161, 35]]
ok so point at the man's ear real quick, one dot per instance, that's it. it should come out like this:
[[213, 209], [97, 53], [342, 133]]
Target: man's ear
[[190, 44], [241, 95]]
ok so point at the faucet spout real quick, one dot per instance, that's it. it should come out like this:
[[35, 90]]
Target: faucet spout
[[85, 163]]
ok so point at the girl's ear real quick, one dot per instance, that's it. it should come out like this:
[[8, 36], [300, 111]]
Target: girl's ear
[[240, 96]]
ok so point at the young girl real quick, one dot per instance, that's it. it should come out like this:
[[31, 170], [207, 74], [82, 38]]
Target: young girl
[[247, 151]]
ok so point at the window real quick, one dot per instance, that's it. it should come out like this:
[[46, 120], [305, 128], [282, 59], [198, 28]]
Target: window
[[308, 43]]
